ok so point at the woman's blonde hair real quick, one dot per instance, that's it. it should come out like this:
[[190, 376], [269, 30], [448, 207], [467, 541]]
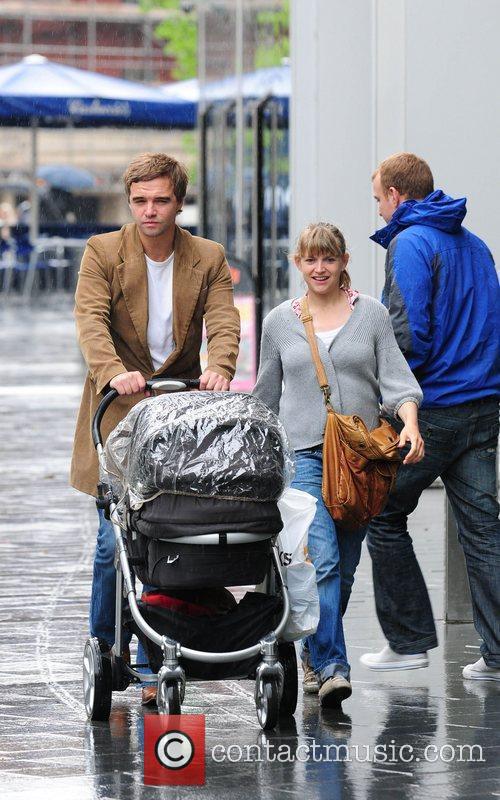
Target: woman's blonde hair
[[323, 239]]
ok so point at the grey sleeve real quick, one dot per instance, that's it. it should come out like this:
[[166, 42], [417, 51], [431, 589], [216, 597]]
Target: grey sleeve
[[397, 382], [270, 375]]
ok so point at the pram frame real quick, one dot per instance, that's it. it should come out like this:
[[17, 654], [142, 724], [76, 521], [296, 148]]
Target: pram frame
[[125, 580], [269, 681]]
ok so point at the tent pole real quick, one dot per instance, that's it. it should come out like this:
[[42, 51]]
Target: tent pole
[[239, 131], [34, 215]]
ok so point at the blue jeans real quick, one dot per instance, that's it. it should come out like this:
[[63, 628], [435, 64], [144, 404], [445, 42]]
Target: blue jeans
[[335, 554], [460, 446], [102, 599]]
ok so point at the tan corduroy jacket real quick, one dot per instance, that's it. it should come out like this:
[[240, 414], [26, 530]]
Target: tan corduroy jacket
[[111, 314]]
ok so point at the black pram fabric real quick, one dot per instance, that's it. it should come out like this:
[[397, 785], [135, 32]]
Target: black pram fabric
[[171, 516], [255, 616], [178, 565]]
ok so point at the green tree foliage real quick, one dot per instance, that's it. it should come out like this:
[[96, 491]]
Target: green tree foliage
[[180, 31], [275, 25]]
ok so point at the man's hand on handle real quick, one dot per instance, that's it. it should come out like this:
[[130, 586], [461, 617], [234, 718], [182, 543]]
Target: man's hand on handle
[[128, 383], [134, 382], [212, 381]]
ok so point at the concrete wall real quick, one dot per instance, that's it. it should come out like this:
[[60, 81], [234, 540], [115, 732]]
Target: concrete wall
[[371, 77]]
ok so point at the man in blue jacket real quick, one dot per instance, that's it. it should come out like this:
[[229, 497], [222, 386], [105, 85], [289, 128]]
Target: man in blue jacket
[[442, 292]]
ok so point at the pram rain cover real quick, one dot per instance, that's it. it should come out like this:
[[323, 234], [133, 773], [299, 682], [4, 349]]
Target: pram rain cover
[[212, 444]]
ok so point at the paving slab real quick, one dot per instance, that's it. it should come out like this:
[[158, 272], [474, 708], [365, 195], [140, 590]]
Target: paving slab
[[401, 735]]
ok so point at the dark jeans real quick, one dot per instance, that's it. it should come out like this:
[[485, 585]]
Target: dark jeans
[[460, 446]]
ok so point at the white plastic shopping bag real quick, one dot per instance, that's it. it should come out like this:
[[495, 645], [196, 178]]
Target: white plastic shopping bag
[[297, 509]]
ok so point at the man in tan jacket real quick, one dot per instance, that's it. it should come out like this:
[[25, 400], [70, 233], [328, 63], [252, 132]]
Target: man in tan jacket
[[142, 295]]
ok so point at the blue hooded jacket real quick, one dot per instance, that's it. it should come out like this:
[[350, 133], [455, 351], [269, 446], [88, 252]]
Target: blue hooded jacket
[[443, 297]]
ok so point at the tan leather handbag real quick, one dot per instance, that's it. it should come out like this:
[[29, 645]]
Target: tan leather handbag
[[359, 466]]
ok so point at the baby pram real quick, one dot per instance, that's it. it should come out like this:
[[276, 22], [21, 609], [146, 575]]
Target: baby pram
[[190, 481]]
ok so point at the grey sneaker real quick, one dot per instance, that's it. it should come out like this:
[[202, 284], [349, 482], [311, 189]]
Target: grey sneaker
[[333, 691], [310, 683]]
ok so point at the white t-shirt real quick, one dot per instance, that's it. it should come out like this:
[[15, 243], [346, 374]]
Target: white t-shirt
[[327, 337], [160, 303]]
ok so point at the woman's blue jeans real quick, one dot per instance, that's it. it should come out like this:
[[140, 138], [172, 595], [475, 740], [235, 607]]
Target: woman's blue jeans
[[335, 554]]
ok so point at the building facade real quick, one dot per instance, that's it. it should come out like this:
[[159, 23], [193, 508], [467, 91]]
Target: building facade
[[374, 77], [114, 37]]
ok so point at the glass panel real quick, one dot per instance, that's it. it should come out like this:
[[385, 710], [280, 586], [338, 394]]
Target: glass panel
[[276, 204]]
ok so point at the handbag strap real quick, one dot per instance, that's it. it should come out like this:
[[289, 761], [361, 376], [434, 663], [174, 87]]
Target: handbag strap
[[306, 318]]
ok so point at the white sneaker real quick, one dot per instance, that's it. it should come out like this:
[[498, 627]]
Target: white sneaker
[[480, 671], [387, 659]]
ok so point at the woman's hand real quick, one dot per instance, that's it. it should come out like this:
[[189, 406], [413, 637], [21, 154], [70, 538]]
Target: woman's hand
[[410, 433]]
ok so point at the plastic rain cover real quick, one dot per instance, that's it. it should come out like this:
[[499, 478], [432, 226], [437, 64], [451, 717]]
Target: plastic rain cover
[[211, 444]]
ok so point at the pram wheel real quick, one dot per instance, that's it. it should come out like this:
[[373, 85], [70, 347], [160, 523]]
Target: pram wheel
[[288, 659], [268, 702], [97, 681], [169, 697]]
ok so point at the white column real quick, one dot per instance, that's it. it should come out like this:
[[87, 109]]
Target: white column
[[332, 124], [389, 106]]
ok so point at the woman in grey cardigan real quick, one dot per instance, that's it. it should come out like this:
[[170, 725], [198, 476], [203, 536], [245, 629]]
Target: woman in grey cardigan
[[363, 362]]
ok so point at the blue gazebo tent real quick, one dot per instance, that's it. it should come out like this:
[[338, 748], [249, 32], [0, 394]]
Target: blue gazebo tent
[[36, 92], [275, 81], [54, 94]]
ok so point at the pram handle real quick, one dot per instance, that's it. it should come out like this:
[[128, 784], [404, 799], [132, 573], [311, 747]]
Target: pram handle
[[161, 384]]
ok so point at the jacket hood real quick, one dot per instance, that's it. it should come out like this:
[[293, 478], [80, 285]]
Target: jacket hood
[[437, 210]]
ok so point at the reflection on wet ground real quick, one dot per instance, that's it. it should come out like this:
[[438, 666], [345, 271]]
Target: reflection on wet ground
[[375, 749]]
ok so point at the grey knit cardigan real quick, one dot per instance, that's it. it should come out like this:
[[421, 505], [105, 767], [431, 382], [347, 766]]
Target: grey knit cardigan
[[363, 363]]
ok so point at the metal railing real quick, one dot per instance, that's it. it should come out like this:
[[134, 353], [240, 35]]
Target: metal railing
[[52, 265]]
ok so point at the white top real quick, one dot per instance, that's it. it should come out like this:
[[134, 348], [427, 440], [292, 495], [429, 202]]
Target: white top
[[327, 337], [160, 302]]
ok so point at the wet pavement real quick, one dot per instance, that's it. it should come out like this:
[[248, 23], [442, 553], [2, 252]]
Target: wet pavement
[[47, 748]]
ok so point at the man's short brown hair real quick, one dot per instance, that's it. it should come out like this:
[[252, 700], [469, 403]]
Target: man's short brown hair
[[408, 173], [147, 166]]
